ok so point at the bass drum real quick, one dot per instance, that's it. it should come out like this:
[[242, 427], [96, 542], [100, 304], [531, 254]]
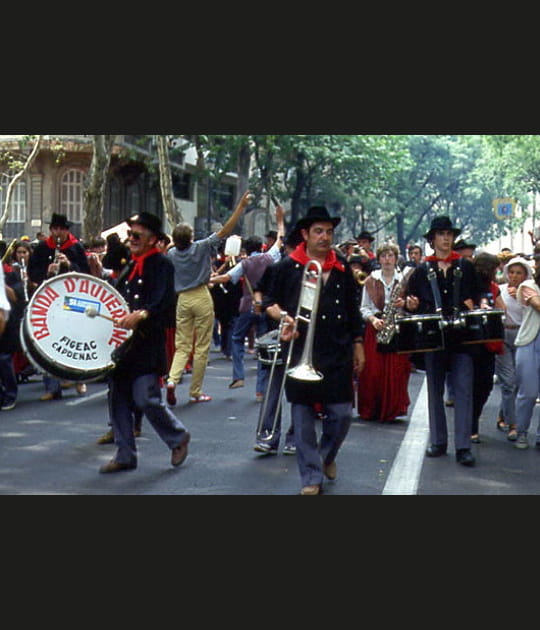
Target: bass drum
[[58, 335]]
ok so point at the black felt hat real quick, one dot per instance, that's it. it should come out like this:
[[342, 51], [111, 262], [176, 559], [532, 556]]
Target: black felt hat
[[314, 214], [365, 235], [441, 223], [462, 244], [59, 220], [147, 220]]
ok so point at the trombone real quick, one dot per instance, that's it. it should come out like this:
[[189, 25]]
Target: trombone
[[306, 311]]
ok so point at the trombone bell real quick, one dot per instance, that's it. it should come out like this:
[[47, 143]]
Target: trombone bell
[[309, 298], [305, 372]]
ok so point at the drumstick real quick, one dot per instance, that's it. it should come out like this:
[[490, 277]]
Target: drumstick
[[92, 311]]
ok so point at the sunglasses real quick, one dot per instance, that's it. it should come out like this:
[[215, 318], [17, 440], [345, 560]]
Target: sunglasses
[[136, 236]]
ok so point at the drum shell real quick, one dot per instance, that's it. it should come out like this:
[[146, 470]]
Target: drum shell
[[267, 345], [60, 339], [481, 326], [419, 333]]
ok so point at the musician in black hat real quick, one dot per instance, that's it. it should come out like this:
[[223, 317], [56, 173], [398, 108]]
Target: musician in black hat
[[465, 249], [61, 252], [147, 284], [365, 241], [337, 347], [453, 290]]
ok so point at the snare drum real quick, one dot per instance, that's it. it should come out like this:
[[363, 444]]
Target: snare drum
[[481, 326], [267, 345], [59, 337], [419, 333]]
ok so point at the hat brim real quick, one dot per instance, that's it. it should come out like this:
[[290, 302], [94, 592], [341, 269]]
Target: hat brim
[[306, 222], [429, 234]]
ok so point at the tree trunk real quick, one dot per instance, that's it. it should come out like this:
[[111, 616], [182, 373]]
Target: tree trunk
[[16, 178], [94, 193], [172, 214]]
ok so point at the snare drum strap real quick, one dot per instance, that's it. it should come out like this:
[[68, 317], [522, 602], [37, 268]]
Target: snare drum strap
[[432, 277], [458, 274]]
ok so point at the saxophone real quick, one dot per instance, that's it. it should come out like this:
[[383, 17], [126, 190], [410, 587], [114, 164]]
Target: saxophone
[[390, 312]]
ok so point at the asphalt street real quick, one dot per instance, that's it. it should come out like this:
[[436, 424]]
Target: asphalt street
[[50, 448]]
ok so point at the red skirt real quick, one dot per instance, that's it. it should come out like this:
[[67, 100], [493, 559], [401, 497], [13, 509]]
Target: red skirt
[[383, 383]]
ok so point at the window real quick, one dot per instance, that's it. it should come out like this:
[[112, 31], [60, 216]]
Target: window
[[17, 209], [71, 195]]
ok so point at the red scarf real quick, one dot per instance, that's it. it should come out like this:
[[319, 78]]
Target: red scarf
[[331, 262], [453, 256], [139, 262], [71, 240]]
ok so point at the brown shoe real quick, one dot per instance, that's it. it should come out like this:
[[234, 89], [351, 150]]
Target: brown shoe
[[179, 453], [106, 438], [171, 396], [114, 466], [310, 490], [330, 471], [51, 396]]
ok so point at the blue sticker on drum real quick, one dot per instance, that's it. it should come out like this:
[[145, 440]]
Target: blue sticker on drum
[[79, 305]]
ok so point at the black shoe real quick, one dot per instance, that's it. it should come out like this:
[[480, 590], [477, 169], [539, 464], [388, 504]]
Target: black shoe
[[436, 450], [465, 457]]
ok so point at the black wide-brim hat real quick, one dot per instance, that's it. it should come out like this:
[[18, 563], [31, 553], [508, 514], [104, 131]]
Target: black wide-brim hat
[[365, 235], [59, 220], [441, 223], [462, 244], [147, 220], [314, 214]]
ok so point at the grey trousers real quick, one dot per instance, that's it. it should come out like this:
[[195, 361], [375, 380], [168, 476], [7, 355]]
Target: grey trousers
[[311, 453], [528, 382], [144, 394], [460, 366]]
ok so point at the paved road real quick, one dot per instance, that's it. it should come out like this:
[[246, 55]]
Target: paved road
[[50, 448]]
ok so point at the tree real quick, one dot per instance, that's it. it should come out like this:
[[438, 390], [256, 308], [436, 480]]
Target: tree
[[172, 214], [19, 168], [94, 192]]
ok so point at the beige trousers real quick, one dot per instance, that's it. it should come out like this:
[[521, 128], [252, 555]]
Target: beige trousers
[[194, 325]]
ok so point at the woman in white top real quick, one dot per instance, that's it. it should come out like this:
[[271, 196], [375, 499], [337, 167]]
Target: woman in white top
[[515, 272], [528, 359], [383, 384]]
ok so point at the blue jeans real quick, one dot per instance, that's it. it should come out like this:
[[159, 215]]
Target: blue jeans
[[505, 368], [242, 324], [311, 453], [460, 367], [143, 394]]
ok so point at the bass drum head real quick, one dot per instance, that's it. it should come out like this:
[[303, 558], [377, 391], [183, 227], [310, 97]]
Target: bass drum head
[[58, 335]]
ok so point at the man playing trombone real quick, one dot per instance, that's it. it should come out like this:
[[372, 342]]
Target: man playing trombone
[[324, 348]]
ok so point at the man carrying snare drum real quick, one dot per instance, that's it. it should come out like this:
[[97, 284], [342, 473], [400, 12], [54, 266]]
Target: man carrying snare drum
[[454, 287]]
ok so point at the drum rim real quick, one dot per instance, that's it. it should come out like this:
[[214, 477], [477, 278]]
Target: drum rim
[[35, 353]]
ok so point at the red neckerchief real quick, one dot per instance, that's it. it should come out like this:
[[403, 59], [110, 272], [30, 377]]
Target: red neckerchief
[[453, 256], [71, 240], [331, 262], [139, 262]]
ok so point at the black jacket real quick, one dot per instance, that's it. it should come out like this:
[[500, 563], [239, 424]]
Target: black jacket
[[154, 292], [338, 323], [43, 256]]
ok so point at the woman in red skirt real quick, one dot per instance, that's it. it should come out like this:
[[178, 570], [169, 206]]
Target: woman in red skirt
[[383, 385]]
